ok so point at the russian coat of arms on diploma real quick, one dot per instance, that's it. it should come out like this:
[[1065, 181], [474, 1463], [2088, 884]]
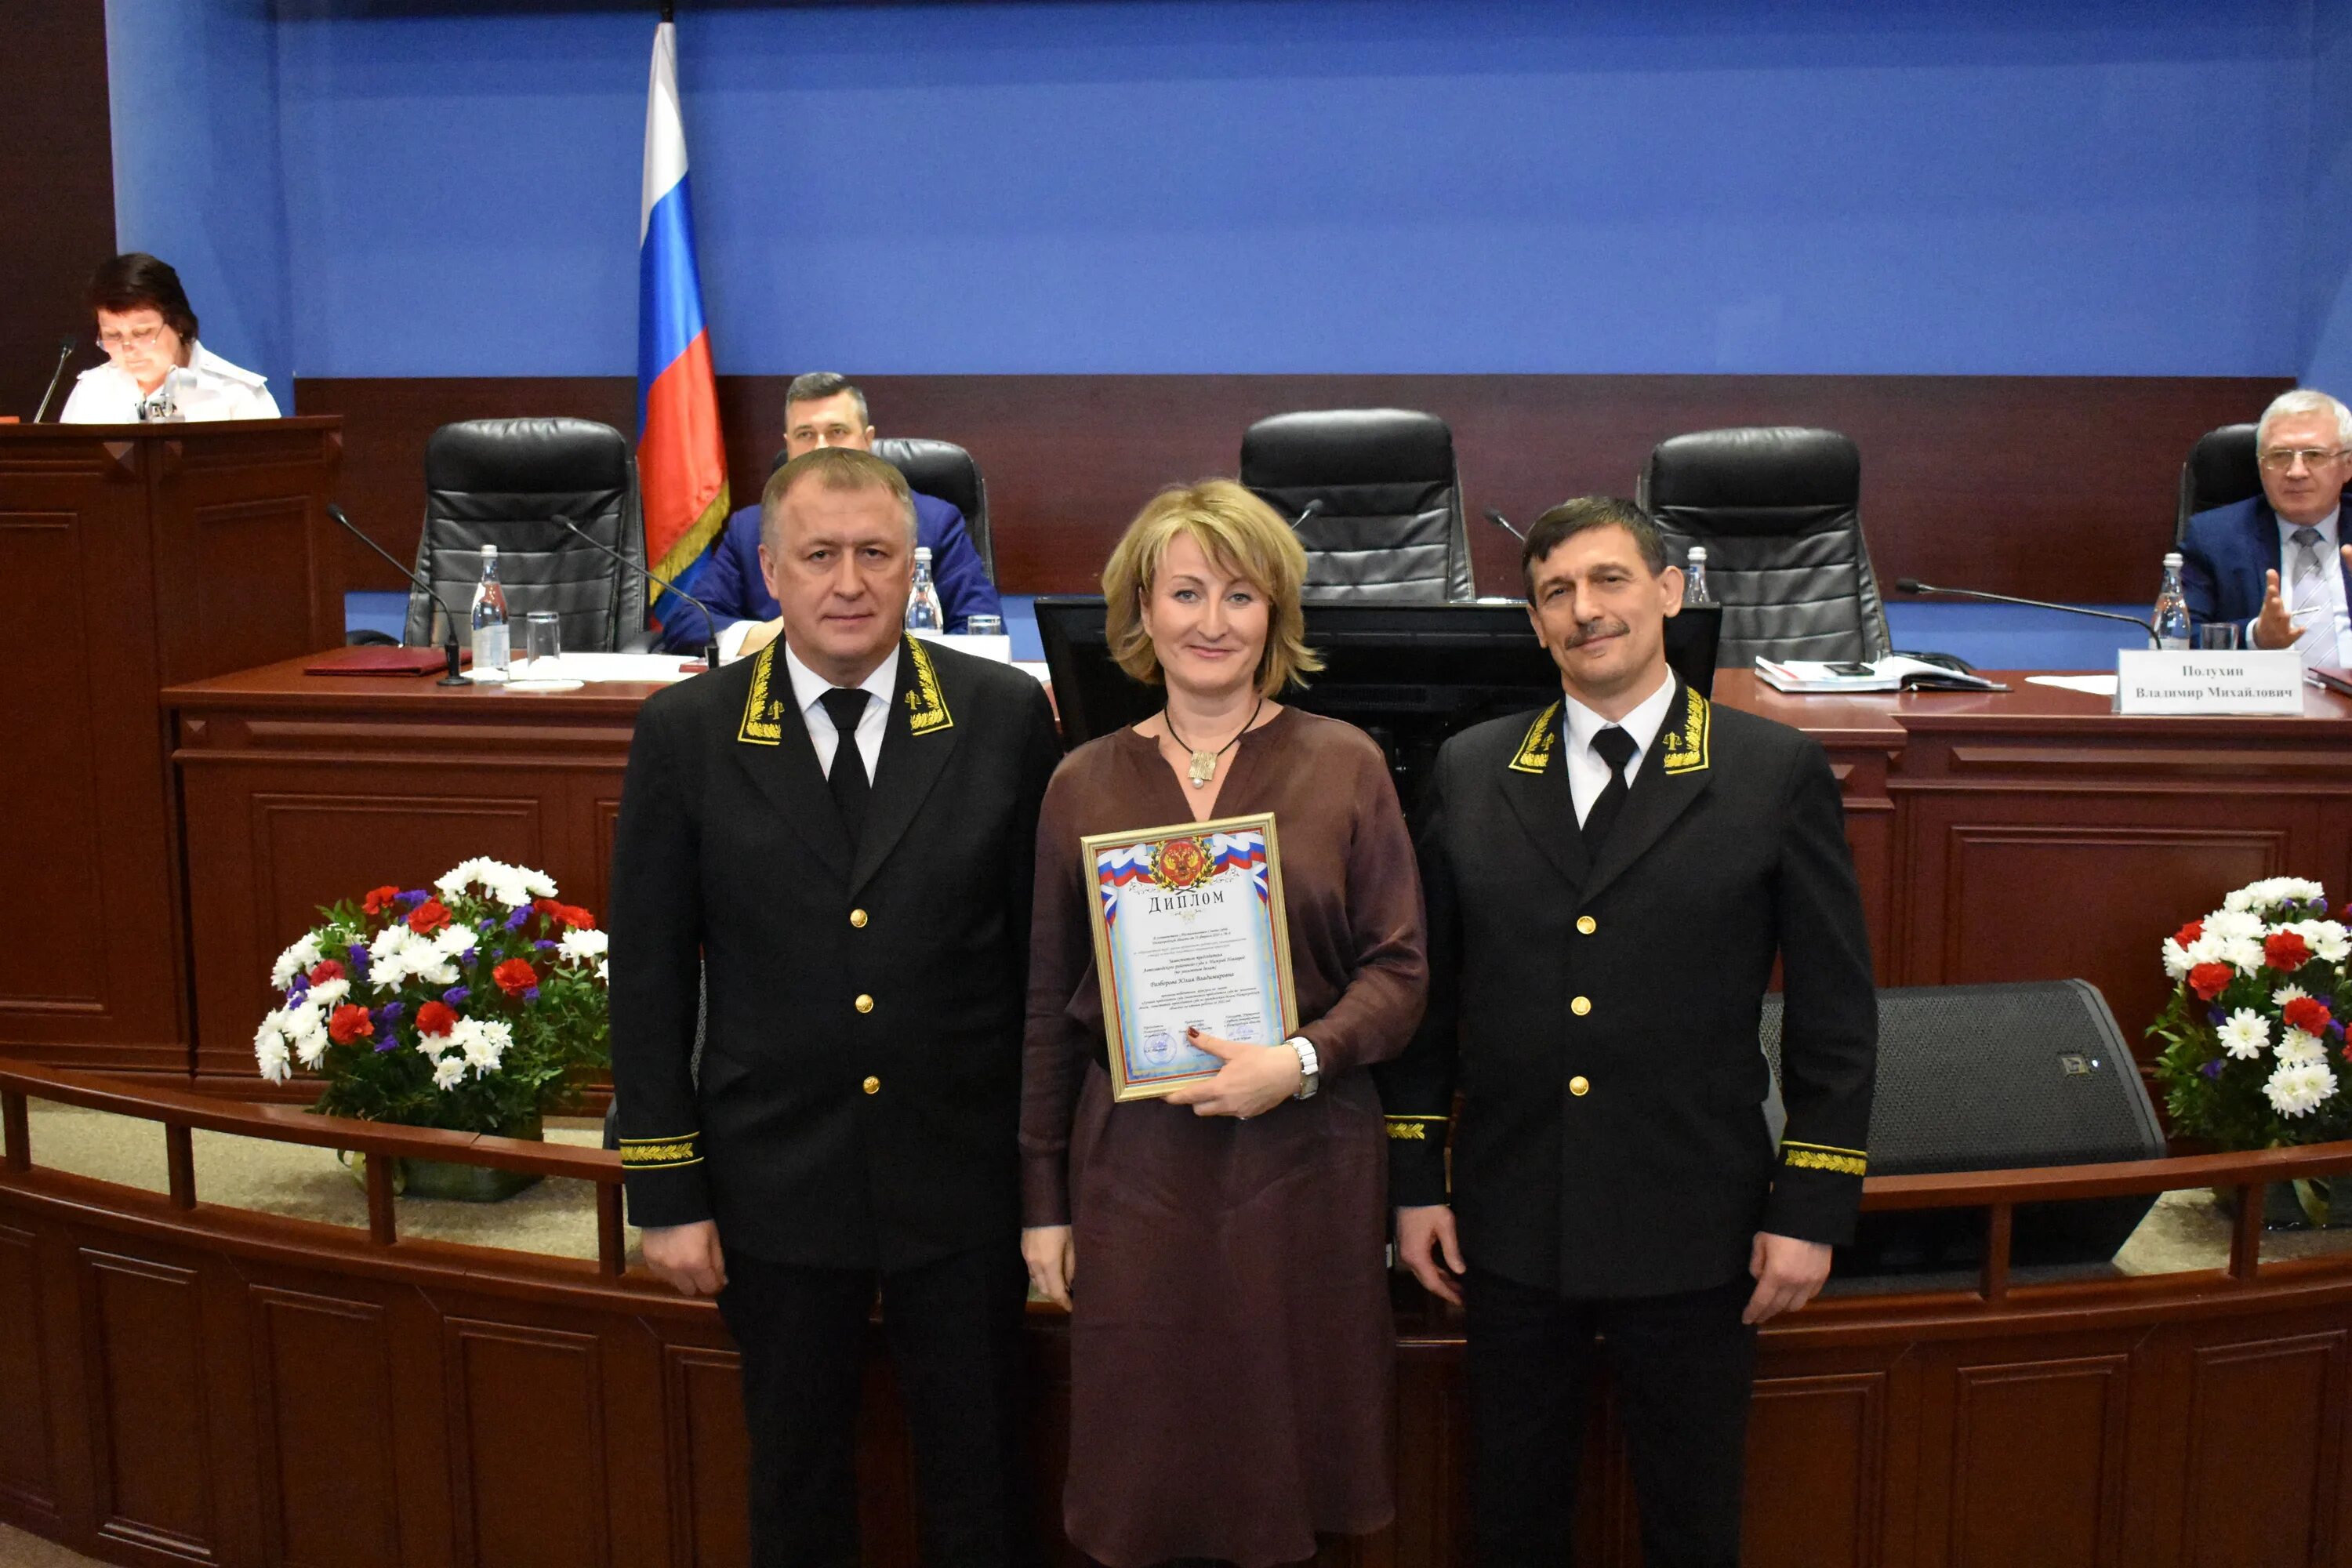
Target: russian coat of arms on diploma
[[1189, 933]]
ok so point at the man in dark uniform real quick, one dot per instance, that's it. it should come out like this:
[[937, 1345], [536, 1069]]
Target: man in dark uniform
[[1609, 882], [837, 836]]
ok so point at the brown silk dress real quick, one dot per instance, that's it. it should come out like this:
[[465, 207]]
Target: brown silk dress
[[1232, 1350]]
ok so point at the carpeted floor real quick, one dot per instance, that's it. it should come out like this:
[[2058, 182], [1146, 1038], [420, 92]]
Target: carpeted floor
[[18, 1549]]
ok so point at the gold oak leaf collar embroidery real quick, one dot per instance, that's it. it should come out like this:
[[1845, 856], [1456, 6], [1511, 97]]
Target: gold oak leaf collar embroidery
[[763, 710]]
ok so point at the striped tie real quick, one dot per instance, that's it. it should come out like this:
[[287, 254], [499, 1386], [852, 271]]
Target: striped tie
[[2308, 602]]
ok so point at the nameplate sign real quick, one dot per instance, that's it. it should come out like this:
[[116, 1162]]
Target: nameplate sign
[[2172, 681]]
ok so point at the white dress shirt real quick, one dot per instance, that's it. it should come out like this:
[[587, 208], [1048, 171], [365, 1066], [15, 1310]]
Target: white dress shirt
[[1588, 772], [2316, 604], [808, 691], [207, 387]]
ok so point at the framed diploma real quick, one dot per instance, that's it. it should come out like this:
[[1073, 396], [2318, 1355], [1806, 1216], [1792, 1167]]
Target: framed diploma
[[1189, 933]]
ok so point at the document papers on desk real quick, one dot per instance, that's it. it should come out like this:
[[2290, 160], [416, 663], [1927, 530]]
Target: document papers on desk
[[1813, 677], [601, 666]]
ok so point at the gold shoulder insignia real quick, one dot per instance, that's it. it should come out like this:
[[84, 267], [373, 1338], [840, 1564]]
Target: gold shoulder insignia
[[1824, 1157], [660, 1153], [1686, 747], [926, 709], [763, 713], [1535, 751]]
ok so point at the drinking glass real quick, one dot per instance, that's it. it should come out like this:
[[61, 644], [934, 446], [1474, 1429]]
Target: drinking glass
[[2219, 636], [542, 645]]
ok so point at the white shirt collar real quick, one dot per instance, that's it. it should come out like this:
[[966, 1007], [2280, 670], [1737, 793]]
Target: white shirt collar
[[809, 687], [1643, 724], [2326, 526]]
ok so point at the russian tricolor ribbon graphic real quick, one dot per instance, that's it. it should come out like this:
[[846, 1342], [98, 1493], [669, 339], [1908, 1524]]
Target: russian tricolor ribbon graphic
[[681, 459]]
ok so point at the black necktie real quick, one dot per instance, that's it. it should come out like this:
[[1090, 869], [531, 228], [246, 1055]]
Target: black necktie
[[1614, 747], [845, 705]]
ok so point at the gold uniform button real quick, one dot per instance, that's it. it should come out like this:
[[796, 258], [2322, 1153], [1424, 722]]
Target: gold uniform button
[[874, 1086], [1579, 1086], [1580, 1006], [1586, 925], [857, 919], [865, 1003]]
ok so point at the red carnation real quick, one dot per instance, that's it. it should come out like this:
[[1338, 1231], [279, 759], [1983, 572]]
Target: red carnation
[[578, 919], [2286, 949], [515, 976], [428, 917], [435, 1018], [326, 969], [2308, 1014], [2209, 980], [348, 1023], [2188, 933], [378, 900]]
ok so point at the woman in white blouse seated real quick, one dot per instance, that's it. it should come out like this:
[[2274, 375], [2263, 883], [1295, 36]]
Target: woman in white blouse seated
[[155, 367]]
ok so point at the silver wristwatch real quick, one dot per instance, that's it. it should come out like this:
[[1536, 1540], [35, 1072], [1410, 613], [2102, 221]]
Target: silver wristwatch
[[1311, 1067]]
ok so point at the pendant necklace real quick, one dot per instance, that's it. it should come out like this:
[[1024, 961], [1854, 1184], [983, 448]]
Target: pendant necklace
[[1205, 763]]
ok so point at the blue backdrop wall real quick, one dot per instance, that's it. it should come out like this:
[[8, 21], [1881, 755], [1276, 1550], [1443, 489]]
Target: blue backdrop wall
[[430, 187]]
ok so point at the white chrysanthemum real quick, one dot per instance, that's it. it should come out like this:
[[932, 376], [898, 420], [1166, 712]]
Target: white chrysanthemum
[[306, 1031], [443, 973], [2300, 1089], [2208, 948], [580, 946], [2296, 1049], [448, 1071], [328, 993], [432, 1047], [513, 886], [453, 940], [269, 1049], [2225, 925], [2242, 898], [296, 960], [2301, 889], [2246, 1036], [2244, 953], [481, 1044], [603, 971], [2177, 964], [2326, 939]]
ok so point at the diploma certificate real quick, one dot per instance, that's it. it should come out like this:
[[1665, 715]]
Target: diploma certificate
[[1189, 933]]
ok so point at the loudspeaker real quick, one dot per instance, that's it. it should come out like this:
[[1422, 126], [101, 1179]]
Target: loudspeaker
[[1991, 1078]]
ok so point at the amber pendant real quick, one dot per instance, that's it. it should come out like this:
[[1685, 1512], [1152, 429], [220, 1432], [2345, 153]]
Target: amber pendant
[[1204, 768]]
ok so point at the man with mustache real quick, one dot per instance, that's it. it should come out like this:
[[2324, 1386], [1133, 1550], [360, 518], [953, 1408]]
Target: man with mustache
[[1609, 883]]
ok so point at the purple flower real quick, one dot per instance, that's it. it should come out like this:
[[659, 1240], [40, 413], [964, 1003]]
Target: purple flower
[[2219, 1015], [544, 945], [388, 1015], [415, 896], [2336, 1028], [390, 1042], [515, 921], [467, 956], [298, 987], [2212, 1068], [486, 925], [455, 996], [356, 961], [531, 992]]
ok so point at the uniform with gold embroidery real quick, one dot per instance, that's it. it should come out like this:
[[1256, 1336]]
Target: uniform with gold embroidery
[[1599, 1020]]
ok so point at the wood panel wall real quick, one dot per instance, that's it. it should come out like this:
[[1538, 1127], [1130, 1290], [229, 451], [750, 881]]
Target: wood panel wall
[[56, 193], [216, 1387], [2049, 486]]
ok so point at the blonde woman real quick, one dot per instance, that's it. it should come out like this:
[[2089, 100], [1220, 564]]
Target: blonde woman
[[1221, 1250]]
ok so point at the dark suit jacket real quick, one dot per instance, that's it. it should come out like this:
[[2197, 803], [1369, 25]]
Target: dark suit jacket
[[1640, 978], [2224, 555], [821, 1134]]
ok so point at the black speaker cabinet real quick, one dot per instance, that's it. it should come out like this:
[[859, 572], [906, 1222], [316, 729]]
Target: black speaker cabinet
[[1992, 1078]]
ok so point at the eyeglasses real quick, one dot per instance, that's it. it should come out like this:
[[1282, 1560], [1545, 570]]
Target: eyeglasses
[[2279, 459], [136, 338]]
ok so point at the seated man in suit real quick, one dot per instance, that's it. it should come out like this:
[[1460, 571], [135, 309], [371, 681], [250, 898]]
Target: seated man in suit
[[821, 409], [2279, 562]]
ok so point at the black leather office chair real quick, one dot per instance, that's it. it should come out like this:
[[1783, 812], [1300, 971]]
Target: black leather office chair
[[941, 469], [1779, 510], [1391, 527], [2220, 470], [500, 481]]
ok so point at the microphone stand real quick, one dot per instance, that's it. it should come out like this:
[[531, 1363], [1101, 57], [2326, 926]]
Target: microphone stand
[[1500, 521], [709, 626], [65, 352], [1912, 585], [451, 676]]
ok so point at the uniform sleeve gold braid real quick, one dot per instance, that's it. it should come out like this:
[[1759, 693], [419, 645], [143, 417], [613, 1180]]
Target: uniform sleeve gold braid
[[926, 709], [1535, 751], [661, 1153], [762, 714], [1824, 1157]]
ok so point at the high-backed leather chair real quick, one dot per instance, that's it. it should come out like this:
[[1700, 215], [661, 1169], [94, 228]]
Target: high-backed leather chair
[[1779, 510], [2220, 470], [500, 481], [941, 469], [1391, 527]]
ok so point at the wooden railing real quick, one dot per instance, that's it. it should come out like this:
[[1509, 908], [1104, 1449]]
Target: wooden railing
[[182, 1114]]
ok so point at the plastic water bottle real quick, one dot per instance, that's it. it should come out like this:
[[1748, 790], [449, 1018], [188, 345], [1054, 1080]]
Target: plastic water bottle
[[1694, 589], [2171, 618], [924, 617], [490, 620]]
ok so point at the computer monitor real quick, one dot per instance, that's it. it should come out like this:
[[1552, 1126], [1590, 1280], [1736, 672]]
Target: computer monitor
[[1409, 675]]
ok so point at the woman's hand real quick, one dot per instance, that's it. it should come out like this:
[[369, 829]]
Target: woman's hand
[[1253, 1080], [1052, 1254]]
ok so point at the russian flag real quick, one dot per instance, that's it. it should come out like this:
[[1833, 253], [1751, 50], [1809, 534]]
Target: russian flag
[[681, 459]]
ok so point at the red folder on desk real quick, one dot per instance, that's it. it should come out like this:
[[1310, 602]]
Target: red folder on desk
[[383, 658]]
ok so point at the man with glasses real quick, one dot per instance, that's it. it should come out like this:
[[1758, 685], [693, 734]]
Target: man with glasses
[[2278, 564]]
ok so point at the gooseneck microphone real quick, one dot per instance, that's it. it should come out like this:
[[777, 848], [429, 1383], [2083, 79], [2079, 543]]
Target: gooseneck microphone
[[1500, 521], [449, 677], [1310, 510], [710, 624], [1912, 585], [65, 352]]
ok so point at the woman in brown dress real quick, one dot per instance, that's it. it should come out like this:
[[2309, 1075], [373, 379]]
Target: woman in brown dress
[[1220, 1249]]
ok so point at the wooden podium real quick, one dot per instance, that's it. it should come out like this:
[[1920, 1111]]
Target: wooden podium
[[138, 556]]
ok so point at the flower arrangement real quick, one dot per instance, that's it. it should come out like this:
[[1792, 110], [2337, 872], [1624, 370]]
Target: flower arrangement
[[466, 1005], [2254, 1054]]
